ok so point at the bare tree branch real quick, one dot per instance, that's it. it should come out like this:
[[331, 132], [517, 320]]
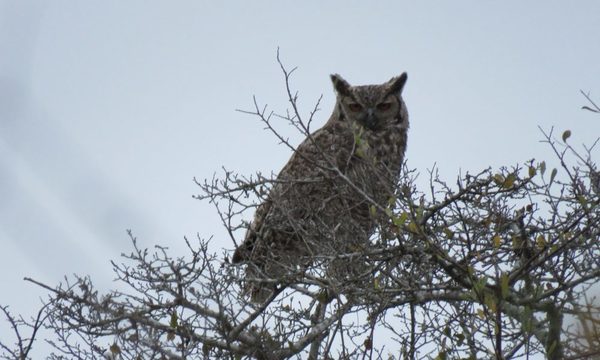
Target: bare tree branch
[[489, 266]]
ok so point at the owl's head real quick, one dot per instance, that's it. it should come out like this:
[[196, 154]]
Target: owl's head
[[374, 107]]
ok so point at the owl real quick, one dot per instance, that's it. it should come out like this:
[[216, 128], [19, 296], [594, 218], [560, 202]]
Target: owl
[[325, 200]]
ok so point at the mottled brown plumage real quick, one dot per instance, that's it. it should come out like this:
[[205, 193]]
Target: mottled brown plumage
[[321, 202]]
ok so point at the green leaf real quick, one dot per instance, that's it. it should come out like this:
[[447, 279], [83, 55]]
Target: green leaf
[[400, 220], [552, 347], [566, 135], [448, 331], [504, 285], [470, 270], [553, 175], [403, 217], [413, 227], [497, 240], [389, 212], [481, 313], [449, 233], [582, 200], [372, 210], [509, 181], [115, 349], [357, 138], [499, 179], [322, 296], [532, 171], [480, 284], [359, 152], [460, 338], [368, 343], [490, 302], [391, 201], [517, 242], [206, 348], [174, 318], [540, 241], [526, 319], [543, 167], [443, 355]]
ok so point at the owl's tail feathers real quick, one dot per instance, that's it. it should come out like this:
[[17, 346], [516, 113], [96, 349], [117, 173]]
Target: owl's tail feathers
[[259, 294], [257, 284], [258, 291]]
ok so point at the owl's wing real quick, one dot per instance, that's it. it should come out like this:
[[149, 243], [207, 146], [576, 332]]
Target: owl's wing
[[320, 151], [330, 146], [243, 252]]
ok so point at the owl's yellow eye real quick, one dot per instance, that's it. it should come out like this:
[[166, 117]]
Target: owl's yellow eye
[[384, 106], [355, 107]]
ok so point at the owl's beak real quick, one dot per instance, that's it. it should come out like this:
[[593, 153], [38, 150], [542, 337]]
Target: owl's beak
[[371, 122]]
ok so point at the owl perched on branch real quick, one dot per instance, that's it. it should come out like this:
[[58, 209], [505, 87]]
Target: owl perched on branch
[[328, 197]]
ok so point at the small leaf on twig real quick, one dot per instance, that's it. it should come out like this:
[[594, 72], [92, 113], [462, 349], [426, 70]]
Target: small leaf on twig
[[443, 355], [582, 200], [373, 210], [497, 240], [448, 331], [541, 241], [400, 220], [206, 348], [449, 233], [499, 179], [566, 135], [509, 181], [174, 318], [115, 349], [543, 167], [481, 313], [553, 175], [368, 343], [413, 227]]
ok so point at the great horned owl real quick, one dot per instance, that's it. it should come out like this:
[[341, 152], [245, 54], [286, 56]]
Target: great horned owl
[[323, 201]]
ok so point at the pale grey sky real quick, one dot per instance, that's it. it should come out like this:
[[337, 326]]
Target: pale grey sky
[[108, 109]]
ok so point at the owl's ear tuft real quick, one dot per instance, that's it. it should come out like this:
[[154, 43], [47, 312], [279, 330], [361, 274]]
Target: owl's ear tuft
[[340, 85], [396, 84]]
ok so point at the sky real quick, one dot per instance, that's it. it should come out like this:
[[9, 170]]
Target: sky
[[109, 109]]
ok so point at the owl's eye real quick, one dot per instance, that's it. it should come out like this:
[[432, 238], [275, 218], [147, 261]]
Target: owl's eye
[[384, 106], [356, 107]]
